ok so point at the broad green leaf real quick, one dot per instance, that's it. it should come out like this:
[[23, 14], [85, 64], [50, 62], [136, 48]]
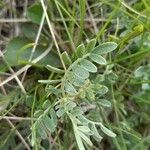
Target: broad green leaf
[[104, 102], [80, 50], [14, 48], [30, 30], [107, 131], [90, 46], [66, 58], [80, 72], [98, 59], [54, 69], [34, 13], [104, 48], [23, 50], [86, 64], [70, 89]]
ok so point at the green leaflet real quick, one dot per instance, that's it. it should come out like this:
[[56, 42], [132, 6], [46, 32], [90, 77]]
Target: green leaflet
[[139, 72], [40, 130], [51, 89], [54, 69], [45, 120], [70, 105], [98, 59], [112, 77], [82, 119], [85, 138], [46, 104], [38, 113], [82, 94], [90, 94], [95, 132], [70, 89], [80, 50], [90, 46], [77, 111], [60, 112], [105, 48], [66, 58], [107, 131], [48, 123], [84, 129], [86, 64], [75, 80], [103, 90], [53, 116], [80, 72], [104, 102], [78, 138]]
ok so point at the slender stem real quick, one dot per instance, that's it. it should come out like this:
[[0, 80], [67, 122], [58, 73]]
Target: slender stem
[[52, 33], [17, 118]]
